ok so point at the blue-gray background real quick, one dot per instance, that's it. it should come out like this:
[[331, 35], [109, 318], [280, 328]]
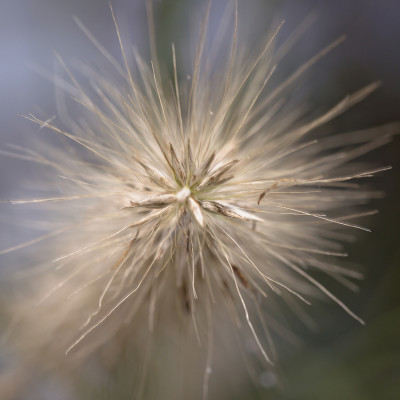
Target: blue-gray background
[[343, 360]]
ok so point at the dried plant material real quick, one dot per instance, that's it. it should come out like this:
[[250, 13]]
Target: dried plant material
[[175, 206]]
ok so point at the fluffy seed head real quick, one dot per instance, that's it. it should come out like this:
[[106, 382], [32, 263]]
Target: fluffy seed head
[[174, 199]]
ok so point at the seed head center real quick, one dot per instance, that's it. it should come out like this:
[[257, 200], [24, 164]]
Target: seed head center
[[183, 195]]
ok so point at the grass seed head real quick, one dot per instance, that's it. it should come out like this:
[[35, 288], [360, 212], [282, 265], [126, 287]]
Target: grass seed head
[[184, 206]]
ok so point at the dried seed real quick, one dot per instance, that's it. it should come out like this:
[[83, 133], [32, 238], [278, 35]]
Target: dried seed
[[159, 201], [196, 211], [228, 210]]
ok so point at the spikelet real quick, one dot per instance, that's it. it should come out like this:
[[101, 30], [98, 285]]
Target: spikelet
[[180, 212]]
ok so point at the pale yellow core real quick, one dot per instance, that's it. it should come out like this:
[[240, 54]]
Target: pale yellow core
[[183, 195]]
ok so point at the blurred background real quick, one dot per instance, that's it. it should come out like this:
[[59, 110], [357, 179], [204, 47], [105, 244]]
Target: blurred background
[[340, 359]]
